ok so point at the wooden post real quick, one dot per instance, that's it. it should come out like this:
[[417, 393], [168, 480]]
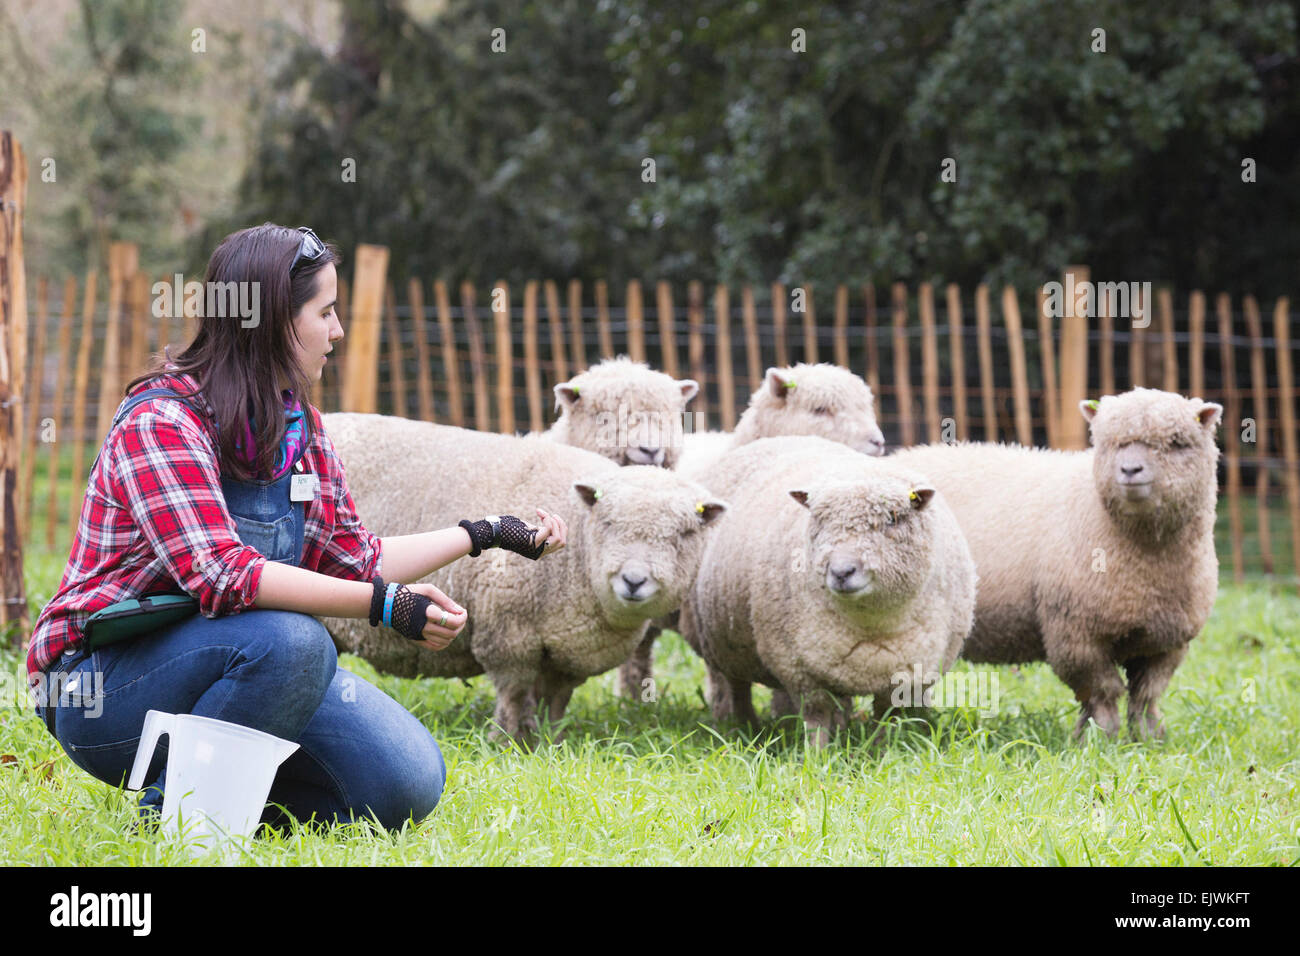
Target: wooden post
[[1169, 350], [1137, 362], [415, 292], [361, 377], [1072, 429], [60, 403], [667, 333], [695, 339], [929, 362], [778, 324], [137, 299], [122, 260], [1196, 344], [726, 383], [1019, 370], [532, 366], [1231, 432], [558, 358], [331, 391], [1047, 358], [902, 364], [984, 330], [1259, 408], [35, 386], [450, 356], [1287, 419], [957, 351], [396, 374], [505, 359], [80, 388], [1106, 358], [13, 358], [577, 340], [809, 326], [477, 357], [869, 327], [603, 332], [753, 350], [635, 322], [842, 326]]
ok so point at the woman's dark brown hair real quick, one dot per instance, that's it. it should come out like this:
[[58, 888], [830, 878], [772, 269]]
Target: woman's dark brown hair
[[239, 369]]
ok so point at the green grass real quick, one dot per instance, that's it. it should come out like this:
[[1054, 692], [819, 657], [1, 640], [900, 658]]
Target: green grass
[[656, 783]]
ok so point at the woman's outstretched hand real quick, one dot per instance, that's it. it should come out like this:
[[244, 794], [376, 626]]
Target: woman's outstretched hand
[[553, 532], [437, 635]]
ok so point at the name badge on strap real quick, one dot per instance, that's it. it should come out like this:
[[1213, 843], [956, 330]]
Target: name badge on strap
[[304, 487]]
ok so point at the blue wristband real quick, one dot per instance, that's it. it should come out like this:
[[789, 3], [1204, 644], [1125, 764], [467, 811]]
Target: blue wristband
[[388, 604]]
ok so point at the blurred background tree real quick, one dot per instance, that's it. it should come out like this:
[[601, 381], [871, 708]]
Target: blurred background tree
[[510, 140]]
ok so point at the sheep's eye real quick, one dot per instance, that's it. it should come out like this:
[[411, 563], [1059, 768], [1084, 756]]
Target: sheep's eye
[[821, 410], [1180, 443]]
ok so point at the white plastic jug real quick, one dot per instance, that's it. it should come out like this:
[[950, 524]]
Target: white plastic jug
[[218, 775]]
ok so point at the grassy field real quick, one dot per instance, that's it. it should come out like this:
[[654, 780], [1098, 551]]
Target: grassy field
[[656, 783]]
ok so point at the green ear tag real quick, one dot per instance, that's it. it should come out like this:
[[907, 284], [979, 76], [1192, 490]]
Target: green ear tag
[[575, 390], [596, 494], [1094, 404], [789, 384]]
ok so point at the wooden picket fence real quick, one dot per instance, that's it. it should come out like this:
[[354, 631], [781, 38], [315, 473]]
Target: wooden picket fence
[[488, 359]]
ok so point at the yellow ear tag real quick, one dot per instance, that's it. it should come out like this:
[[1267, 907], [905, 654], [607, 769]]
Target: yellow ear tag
[[576, 389], [699, 507], [911, 495]]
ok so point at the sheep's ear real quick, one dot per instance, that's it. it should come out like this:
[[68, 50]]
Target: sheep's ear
[[709, 511], [1209, 415], [778, 383], [566, 395], [920, 497], [800, 496], [590, 494], [1088, 408], [690, 388]]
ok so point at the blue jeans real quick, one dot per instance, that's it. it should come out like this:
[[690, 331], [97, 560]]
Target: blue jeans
[[360, 753]]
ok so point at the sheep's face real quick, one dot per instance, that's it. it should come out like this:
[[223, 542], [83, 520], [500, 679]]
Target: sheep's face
[[822, 400], [1155, 455], [642, 538], [626, 412], [870, 543]]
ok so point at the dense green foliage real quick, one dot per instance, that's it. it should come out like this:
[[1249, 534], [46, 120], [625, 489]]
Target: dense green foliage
[[819, 165]]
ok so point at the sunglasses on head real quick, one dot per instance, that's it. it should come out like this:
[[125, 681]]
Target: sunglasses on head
[[310, 248]]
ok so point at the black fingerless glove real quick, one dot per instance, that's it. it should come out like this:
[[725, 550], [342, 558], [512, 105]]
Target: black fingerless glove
[[502, 531], [406, 613]]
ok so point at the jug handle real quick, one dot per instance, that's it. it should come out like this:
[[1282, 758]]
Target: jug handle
[[156, 723]]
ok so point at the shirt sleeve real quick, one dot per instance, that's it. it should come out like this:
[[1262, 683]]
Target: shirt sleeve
[[166, 474], [352, 552]]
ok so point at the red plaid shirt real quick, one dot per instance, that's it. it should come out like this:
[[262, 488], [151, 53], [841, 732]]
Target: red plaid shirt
[[154, 517]]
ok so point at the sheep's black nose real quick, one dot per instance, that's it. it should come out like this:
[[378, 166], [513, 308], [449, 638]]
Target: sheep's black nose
[[1131, 470], [842, 571], [633, 582]]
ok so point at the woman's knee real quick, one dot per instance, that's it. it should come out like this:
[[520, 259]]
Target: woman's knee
[[297, 642]]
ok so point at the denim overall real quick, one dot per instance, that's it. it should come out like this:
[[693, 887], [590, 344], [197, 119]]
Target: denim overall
[[265, 519]]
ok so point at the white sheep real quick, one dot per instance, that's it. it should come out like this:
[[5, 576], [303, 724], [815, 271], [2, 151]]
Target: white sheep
[[831, 574], [625, 411], [805, 399], [538, 629], [1095, 558]]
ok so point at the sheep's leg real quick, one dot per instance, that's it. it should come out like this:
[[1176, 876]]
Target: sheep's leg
[[782, 704], [516, 709], [637, 669], [1081, 663], [819, 710], [731, 699], [1147, 679]]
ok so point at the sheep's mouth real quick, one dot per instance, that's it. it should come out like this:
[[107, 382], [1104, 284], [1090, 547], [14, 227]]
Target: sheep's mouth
[[642, 456], [1137, 491]]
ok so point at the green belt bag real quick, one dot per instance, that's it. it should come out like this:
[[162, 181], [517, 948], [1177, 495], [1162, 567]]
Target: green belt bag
[[137, 616]]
